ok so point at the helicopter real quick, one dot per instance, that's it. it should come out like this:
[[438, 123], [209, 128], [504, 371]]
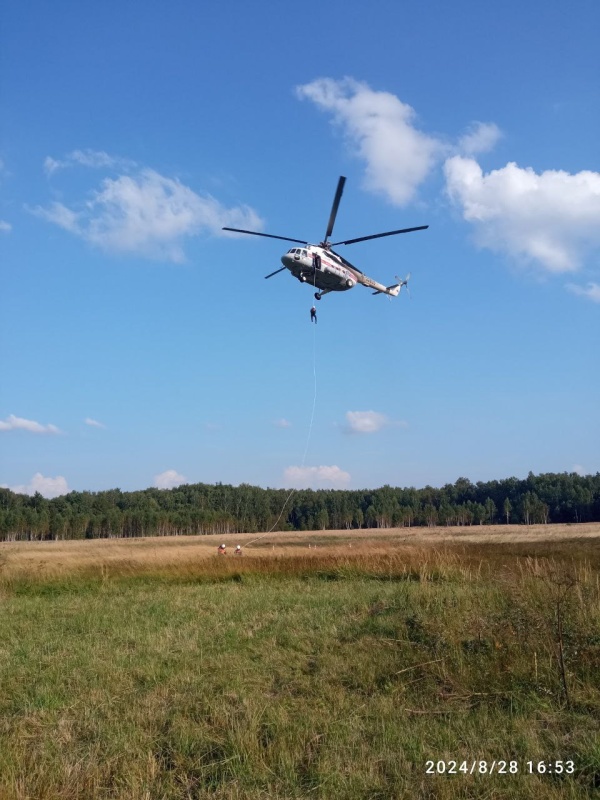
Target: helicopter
[[325, 269]]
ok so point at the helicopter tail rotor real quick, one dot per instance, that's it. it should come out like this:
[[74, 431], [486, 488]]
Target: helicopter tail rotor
[[402, 283]]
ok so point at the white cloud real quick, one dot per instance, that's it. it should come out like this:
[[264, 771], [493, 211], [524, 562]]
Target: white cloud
[[12, 423], [60, 215], [319, 477], [382, 131], [579, 469], [5, 227], [481, 137], [591, 291], [551, 219], [48, 487], [370, 422], [365, 421], [169, 479], [96, 159], [282, 423], [144, 213], [51, 165], [93, 423]]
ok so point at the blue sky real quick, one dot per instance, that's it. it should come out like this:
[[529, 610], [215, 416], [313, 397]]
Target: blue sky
[[141, 346]]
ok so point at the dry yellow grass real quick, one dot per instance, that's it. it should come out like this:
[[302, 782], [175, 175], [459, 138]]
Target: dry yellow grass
[[61, 558]]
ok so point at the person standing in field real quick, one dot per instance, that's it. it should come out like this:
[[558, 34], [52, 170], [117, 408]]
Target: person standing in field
[[221, 549]]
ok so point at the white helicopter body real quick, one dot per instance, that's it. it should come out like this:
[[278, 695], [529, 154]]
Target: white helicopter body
[[320, 267], [329, 272]]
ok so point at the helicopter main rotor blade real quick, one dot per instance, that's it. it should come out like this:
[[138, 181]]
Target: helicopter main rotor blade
[[334, 207], [379, 235], [275, 273], [267, 235]]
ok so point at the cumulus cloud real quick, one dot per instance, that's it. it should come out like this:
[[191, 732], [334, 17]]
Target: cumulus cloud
[[93, 423], [169, 479], [365, 421], [48, 487], [550, 219], [5, 227], [579, 469], [282, 423], [369, 422], [318, 477], [12, 423], [481, 137], [382, 131], [142, 213], [591, 291]]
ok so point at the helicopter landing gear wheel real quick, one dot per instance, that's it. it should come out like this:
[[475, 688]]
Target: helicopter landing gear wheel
[[317, 295]]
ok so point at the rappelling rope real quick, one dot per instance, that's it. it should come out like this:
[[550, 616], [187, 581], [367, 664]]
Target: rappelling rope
[[310, 427]]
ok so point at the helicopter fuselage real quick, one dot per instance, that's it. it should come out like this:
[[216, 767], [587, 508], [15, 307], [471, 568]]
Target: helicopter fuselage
[[324, 269], [320, 268]]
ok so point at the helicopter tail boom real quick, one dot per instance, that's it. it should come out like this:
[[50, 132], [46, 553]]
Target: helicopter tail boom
[[393, 290]]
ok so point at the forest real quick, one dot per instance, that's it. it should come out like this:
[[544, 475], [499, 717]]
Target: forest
[[200, 508]]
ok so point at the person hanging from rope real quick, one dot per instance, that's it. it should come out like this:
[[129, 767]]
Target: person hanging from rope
[[313, 315]]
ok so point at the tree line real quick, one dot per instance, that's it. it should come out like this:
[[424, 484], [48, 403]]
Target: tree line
[[206, 508]]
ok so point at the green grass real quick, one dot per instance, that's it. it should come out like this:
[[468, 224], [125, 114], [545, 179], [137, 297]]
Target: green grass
[[323, 677]]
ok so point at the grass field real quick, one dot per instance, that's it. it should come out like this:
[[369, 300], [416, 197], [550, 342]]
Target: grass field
[[156, 669]]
